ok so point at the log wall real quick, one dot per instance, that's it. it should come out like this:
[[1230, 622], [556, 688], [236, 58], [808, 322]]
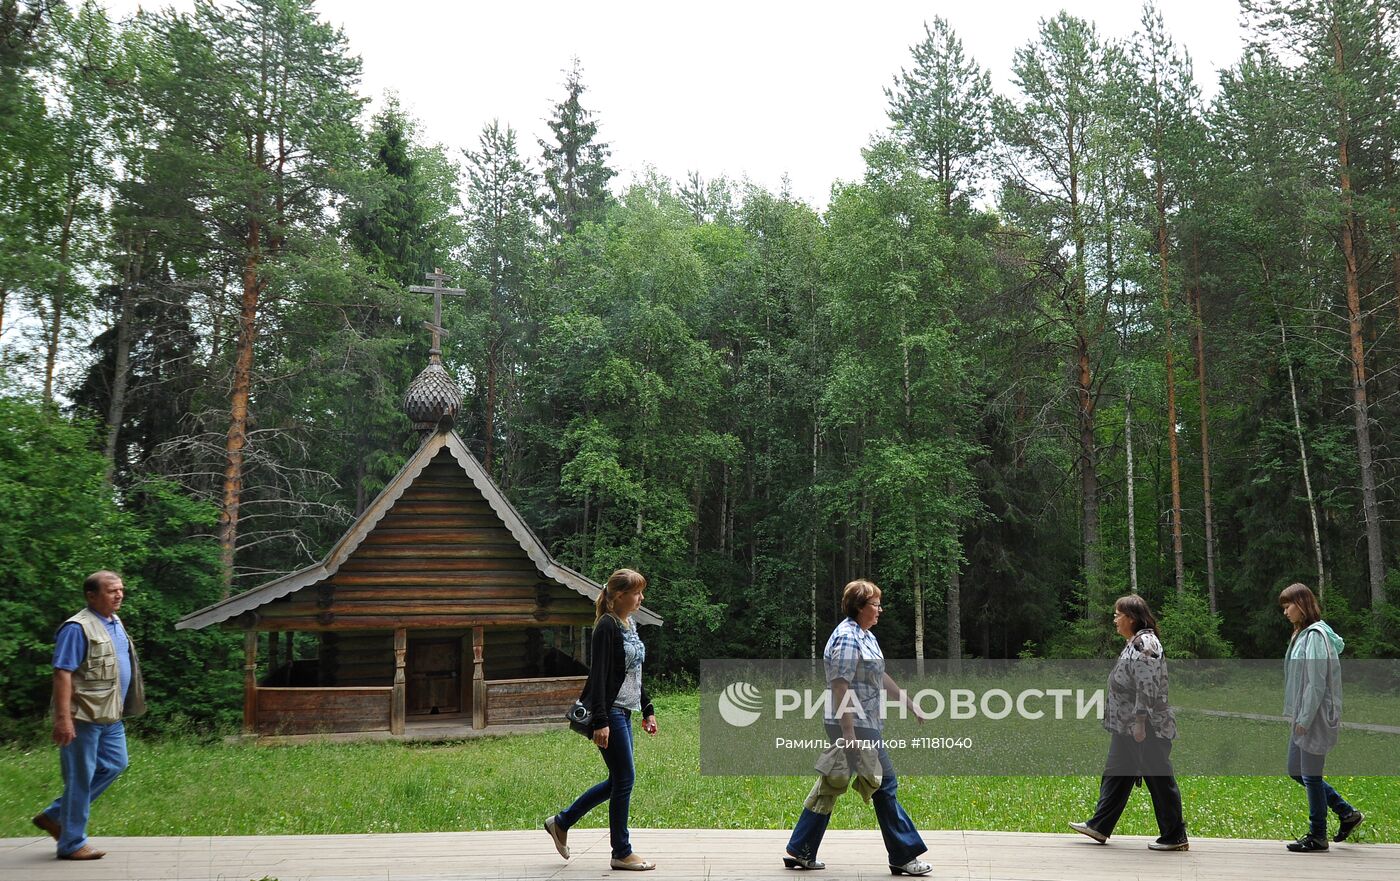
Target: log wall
[[514, 701], [321, 710]]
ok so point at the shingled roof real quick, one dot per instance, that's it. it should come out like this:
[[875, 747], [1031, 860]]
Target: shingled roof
[[430, 449]]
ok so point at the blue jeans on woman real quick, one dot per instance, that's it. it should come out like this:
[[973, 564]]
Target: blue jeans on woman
[[616, 790], [1306, 768], [902, 840]]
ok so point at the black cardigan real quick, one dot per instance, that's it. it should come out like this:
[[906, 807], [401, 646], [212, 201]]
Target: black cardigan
[[608, 667]]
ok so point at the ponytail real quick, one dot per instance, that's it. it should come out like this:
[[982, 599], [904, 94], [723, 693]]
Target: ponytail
[[621, 581]]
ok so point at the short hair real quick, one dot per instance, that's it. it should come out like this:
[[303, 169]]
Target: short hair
[[1136, 608], [621, 581], [93, 583], [1302, 596], [856, 595]]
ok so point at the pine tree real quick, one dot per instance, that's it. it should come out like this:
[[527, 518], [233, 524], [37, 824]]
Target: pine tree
[[576, 171], [941, 111]]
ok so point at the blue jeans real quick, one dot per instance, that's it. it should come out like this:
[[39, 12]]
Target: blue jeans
[[90, 763], [616, 790], [902, 841], [1306, 768]]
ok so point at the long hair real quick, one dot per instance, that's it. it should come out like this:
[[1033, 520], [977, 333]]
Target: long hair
[[1301, 596], [621, 581], [1136, 608]]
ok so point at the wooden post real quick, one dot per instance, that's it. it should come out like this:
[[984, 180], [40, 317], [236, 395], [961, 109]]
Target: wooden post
[[478, 679], [396, 714], [250, 682]]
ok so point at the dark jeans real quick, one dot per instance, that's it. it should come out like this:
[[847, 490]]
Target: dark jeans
[[616, 790], [1149, 761], [902, 841], [1306, 769]]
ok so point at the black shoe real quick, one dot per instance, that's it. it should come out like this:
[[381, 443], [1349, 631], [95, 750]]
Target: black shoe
[[1308, 844], [1349, 824], [793, 862], [1183, 844]]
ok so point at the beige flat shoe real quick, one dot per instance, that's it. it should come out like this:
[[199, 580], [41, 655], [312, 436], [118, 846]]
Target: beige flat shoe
[[560, 837], [633, 863]]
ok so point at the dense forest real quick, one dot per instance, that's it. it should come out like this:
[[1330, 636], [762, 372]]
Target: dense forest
[[1093, 336]]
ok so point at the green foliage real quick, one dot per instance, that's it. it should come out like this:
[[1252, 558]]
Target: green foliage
[[1188, 629], [59, 521]]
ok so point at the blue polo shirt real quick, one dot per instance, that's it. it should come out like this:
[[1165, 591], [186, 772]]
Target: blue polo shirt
[[70, 649]]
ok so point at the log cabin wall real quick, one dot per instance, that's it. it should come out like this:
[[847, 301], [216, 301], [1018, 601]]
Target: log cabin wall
[[439, 559]]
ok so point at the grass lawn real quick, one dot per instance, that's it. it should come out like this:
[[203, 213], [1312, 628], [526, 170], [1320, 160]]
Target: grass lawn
[[187, 788]]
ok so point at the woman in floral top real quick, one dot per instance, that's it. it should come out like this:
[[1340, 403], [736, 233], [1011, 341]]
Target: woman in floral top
[[1142, 727]]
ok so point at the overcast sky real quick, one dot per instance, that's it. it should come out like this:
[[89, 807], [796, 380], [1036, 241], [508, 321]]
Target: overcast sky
[[755, 89]]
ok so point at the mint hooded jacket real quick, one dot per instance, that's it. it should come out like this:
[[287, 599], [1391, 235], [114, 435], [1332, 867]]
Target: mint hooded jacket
[[1312, 687]]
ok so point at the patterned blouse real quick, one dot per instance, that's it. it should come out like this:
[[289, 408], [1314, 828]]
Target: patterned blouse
[[634, 651], [1138, 687], [853, 654]]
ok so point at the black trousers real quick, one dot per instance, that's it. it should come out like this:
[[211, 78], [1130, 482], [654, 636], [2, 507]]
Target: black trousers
[[1149, 761]]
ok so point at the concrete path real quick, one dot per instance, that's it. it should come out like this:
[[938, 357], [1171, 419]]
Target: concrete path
[[703, 854]]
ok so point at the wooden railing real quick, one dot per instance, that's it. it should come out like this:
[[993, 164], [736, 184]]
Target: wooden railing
[[321, 710], [515, 701]]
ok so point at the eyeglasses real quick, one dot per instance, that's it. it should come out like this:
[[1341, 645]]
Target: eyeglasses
[[877, 607]]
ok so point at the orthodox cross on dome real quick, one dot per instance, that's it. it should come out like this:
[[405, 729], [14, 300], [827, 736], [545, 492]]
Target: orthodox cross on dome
[[437, 290]]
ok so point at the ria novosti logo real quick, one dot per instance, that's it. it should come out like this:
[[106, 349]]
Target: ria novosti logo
[[740, 704]]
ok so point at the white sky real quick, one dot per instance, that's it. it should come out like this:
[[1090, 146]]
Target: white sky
[[753, 89]]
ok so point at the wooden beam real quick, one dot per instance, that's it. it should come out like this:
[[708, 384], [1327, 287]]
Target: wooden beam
[[250, 682], [478, 678], [397, 714]]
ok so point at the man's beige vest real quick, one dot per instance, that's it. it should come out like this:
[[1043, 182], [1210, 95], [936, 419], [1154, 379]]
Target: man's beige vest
[[98, 678]]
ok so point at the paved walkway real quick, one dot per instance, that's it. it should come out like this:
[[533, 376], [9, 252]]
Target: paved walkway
[[704, 854]]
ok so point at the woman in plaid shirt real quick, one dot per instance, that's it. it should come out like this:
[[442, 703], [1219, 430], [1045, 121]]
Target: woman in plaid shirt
[[855, 665]]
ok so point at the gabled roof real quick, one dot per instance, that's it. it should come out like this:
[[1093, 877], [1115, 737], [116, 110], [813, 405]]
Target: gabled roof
[[510, 518]]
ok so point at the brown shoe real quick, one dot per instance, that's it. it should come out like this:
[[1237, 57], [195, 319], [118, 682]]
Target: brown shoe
[[49, 825], [86, 852]]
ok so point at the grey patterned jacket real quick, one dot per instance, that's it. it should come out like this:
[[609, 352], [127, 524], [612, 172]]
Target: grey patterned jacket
[[1138, 687]]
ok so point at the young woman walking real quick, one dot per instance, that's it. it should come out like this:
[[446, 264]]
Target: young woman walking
[[614, 692], [1312, 698]]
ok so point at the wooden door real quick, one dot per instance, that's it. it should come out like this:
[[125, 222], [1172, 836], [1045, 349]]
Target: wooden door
[[434, 673]]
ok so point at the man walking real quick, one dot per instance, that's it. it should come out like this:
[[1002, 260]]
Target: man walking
[[96, 683]]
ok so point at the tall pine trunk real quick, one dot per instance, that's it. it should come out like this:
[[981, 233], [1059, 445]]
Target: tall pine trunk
[[1200, 352], [237, 438], [116, 405], [1178, 558], [1132, 504], [65, 246], [1375, 562]]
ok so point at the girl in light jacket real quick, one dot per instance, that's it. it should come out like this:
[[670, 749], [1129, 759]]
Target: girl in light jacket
[[1312, 697]]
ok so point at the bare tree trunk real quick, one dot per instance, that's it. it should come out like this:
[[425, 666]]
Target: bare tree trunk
[[918, 620], [116, 405], [1088, 479], [1173, 453], [1360, 409], [1208, 500], [814, 539], [1132, 508], [954, 603], [1303, 457], [238, 404], [65, 243]]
